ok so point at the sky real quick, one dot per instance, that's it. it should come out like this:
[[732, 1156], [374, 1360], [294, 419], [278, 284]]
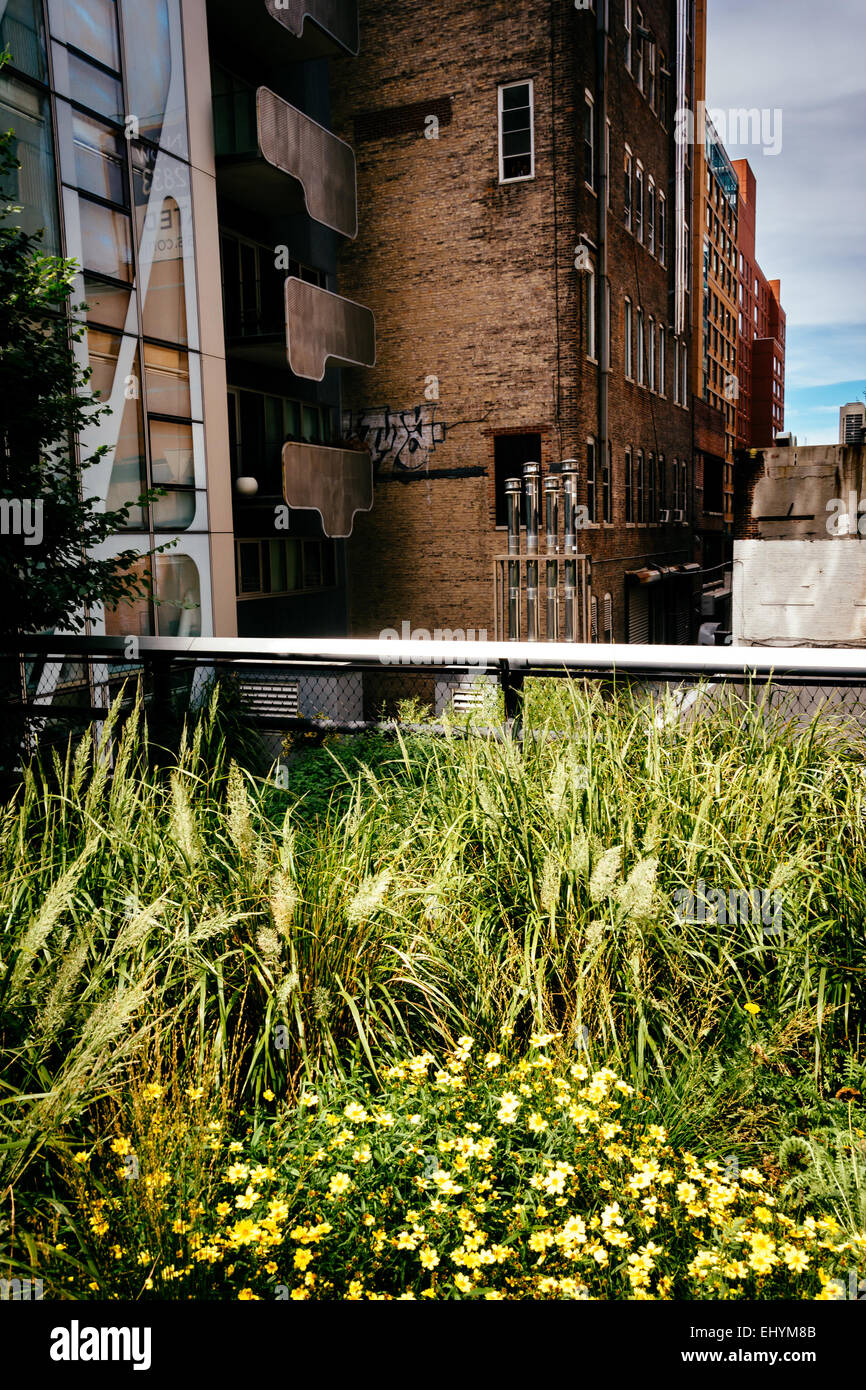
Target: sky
[[806, 61]]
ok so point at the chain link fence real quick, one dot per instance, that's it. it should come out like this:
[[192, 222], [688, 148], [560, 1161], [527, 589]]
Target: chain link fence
[[54, 687]]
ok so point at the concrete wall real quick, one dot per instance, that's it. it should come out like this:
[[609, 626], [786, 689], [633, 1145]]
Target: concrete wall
[[800, 556]]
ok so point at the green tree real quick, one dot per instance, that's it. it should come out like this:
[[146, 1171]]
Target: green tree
[[48, 577]]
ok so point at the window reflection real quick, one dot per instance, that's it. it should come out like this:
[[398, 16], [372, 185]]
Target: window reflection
[[100, 158], [171, 453], [105, 240], [167, 378], [126, 428], [107, 304], [160, 233], [94, 88], [90, 25], [32, 187], [134, 618], [154, 73], [178, 589], [21, 32]]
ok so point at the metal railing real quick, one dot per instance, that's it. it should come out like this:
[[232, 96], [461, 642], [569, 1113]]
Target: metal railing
[[54, 685]]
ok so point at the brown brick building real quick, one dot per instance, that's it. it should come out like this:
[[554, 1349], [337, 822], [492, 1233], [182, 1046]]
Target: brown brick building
[[761, 328], [520, 188]]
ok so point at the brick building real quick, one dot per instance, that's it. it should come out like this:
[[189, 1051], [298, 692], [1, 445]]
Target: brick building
[[761, 333], [526, 253], [715, 339]]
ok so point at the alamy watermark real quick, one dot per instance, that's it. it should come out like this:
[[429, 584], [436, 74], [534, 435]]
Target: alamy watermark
[[739, 125], [734, 907], [22, 516], [465, 637]]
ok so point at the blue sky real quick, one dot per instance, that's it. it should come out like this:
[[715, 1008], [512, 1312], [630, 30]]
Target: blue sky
[[807, 61]]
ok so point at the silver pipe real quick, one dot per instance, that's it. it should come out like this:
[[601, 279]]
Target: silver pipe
[[532, 483], [551, 527], [512, 502], [570, 475]]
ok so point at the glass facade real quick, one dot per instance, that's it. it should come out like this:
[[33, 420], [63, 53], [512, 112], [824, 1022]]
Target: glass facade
[[122, 138]]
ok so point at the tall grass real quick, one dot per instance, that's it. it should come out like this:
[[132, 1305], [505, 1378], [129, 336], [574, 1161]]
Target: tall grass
[[460, 885]]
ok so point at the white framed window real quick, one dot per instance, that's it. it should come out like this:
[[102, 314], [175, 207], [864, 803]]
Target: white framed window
[[639, 489], [661, 361], [589, 140], [651, 216], [607, 158], [590, 314], [591, 480], [628, 167], [627, 27], [663, 228], [607, 619], [641, 76], [651, 66], [628, 335], [517, 131], [651, 337], [684, 377], [638, 201], [628, 485], [676, 371], [641, 350]]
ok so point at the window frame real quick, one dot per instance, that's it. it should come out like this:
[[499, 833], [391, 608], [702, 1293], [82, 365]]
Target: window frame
[[504, 87], [589, 146], [628, 338]]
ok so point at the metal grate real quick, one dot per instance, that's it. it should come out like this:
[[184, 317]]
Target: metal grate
[[271, 698]]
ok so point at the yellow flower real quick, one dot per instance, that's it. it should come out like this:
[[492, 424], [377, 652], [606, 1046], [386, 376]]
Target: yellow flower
[[247, 1295], [752, 1008], [363, 1154], [268, 1095], [244, 1232], [356, 1113], [536, 1123], [340, 1183], [508, 1108], [463, 1283], [303, 1258], [796, 1260], [195, 1092], [429, 1258], [120, 1146], [223, 1208]]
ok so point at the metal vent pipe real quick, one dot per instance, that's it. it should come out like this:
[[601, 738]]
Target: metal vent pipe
[[551, 528], [570, 475], [532, 485], [512, 503]]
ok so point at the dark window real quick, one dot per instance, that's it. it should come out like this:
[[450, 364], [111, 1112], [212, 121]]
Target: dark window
[[591, 486], [511, 452], [629, 493], [606, 490]]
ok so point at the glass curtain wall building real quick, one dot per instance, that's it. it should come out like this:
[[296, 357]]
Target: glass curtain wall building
[[139, 127]]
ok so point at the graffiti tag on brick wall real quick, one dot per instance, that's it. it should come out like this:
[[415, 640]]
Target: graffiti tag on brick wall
[[400, 441]]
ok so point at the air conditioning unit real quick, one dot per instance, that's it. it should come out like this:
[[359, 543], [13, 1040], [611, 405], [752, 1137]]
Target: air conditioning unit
[[664, 517], [679, 514]]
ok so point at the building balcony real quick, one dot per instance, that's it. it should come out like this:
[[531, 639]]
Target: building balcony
[[285, 31], [336, 483], [268, 151], [322, 327], [321, 26]]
